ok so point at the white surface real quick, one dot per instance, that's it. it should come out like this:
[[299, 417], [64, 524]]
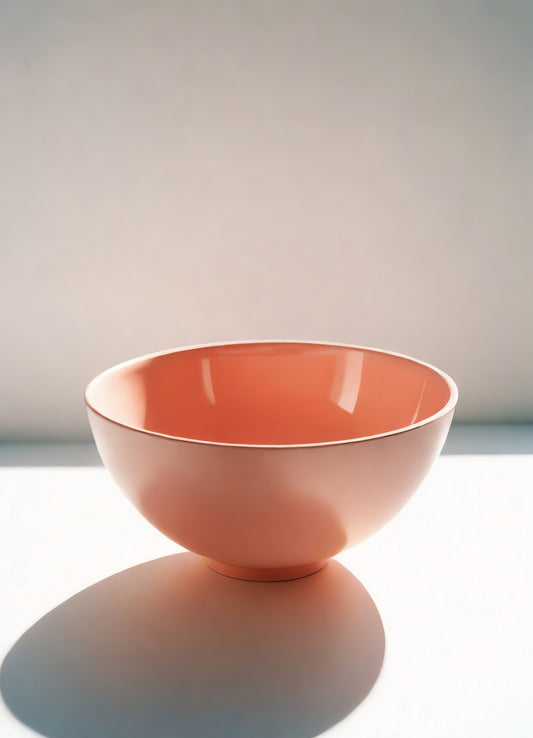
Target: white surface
[[450, 576], [176, 172]]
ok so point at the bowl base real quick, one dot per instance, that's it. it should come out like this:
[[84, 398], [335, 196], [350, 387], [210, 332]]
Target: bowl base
[[281, 574]]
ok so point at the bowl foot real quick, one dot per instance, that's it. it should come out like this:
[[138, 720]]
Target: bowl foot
[[280, 574]]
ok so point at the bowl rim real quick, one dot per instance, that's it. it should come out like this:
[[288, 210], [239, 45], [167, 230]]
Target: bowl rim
[[447, 408]]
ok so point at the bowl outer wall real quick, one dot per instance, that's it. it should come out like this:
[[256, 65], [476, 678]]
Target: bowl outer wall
[[260, 506]]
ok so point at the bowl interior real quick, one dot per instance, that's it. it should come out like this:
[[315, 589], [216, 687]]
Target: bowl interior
[[270, 393]]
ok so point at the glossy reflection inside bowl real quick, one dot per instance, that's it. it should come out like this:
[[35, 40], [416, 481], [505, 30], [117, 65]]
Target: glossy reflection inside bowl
[[270, 393]]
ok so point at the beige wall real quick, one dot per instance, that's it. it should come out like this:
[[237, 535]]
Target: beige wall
[[181, 172]]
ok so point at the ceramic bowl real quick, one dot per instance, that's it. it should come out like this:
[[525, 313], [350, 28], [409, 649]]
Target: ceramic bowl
[[270, 457]]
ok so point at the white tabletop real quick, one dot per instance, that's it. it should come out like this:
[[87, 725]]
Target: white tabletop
[[172, 649]]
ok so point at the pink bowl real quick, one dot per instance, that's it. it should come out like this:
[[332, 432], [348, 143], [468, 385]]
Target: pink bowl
[[270, 457]]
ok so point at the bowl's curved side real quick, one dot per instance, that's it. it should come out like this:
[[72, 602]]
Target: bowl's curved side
[[370, 482], [267, 507]]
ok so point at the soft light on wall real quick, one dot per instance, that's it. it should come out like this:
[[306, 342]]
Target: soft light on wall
[[182, 172]]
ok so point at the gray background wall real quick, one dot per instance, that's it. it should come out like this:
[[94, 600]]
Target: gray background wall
[[181, 172]]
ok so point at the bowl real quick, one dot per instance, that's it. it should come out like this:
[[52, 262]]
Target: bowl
[[269, 457]]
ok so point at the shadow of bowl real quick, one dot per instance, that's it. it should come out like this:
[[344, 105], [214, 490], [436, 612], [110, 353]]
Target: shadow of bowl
[[170, 648]]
